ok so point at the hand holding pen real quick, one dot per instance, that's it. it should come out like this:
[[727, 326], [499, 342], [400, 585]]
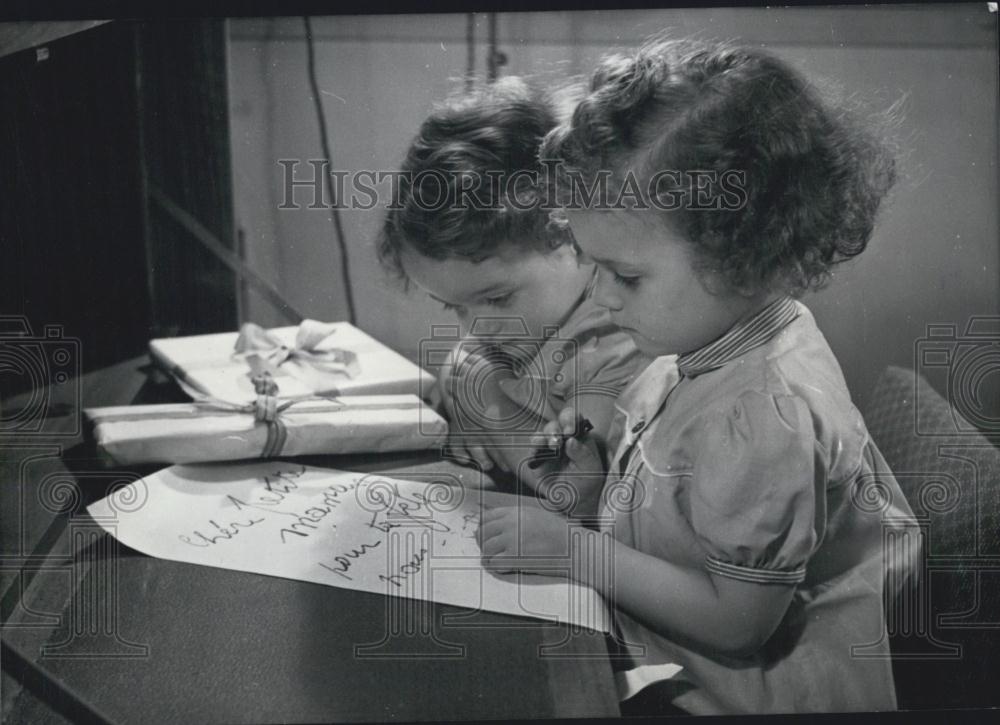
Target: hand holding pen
[[568, 429], [567, 443]]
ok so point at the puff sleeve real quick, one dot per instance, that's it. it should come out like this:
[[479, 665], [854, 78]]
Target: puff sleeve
[[757, 500]]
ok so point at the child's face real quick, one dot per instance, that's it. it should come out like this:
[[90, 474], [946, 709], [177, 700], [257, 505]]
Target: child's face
[[648, 282], [499, 293]]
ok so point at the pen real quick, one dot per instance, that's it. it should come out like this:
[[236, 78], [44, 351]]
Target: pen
[[583, 427]]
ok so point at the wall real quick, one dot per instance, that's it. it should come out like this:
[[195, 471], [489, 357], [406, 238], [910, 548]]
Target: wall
[[934, 257]]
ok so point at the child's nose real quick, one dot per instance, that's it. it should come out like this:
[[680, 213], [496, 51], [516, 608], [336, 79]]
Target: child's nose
[[612, 302], [606, 296], [464, 322]]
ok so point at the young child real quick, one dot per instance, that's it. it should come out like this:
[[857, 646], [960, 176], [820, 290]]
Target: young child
[[468, 232], [740, 510]]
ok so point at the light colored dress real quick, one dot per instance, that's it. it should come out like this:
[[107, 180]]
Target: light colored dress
[[586, 355], [748, 459]]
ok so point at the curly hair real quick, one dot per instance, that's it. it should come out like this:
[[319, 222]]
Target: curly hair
[[469, 183], [812, 178]]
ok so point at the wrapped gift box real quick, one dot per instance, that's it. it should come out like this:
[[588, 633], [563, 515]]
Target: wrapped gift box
[[201, 431], [357, 364]]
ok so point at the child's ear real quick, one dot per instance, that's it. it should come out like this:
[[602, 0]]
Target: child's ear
[[713, 282], [717, 284]]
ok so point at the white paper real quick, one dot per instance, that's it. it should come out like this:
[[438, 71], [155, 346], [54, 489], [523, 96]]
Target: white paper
[[631, 682], [352, 530], [208, 362]]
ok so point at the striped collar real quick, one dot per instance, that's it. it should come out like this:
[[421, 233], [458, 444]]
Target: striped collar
[[741, 338]]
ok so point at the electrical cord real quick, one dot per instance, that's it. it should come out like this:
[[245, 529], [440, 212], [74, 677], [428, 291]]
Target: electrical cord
[[325, 142], [470, 45]]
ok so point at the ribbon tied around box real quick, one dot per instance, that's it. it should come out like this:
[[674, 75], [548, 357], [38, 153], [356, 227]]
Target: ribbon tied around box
[[266, 408], [264, 352], [318, 425]]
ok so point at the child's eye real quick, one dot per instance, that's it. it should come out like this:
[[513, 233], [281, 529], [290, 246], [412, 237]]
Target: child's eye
[[501, 301], [630, 282], [457, 309]]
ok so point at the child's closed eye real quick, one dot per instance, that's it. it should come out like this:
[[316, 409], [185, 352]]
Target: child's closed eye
[[625, 281], [499, 300], [630, 281]]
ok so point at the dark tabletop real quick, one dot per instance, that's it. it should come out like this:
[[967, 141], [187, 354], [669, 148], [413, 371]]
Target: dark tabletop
[[92, 628]]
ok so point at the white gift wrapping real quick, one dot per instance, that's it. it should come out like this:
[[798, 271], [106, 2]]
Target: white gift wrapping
[[313, 359], [204, 431]]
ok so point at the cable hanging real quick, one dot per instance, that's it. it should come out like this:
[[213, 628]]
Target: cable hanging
[[328, 161]]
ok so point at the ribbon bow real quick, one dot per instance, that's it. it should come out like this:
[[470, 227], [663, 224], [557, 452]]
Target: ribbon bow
[[267, 409], [264, 352]]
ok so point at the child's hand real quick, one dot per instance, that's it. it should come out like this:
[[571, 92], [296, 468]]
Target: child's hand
[[581, 468], [466, 450], [444, 387], [561, 431], [524, 538], [459, 359], [529, 392], [470, 400]]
